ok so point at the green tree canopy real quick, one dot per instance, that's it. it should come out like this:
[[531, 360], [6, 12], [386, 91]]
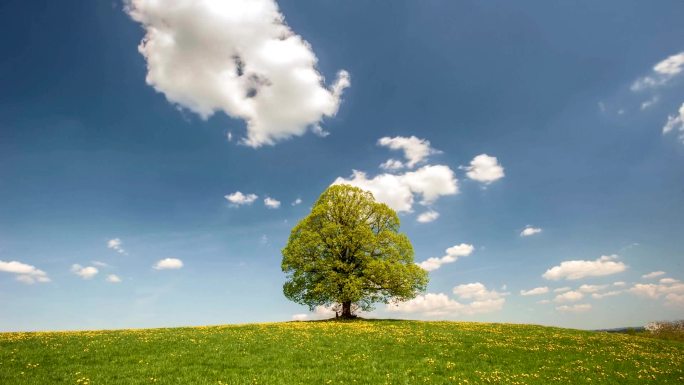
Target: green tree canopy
[[348, 250]]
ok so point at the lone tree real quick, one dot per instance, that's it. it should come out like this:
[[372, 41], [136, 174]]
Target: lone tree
[[348, 250]]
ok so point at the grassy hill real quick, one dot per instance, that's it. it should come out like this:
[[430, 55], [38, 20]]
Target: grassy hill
[[361, 352]]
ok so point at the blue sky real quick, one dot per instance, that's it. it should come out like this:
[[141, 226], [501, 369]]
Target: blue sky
[[116, 163]]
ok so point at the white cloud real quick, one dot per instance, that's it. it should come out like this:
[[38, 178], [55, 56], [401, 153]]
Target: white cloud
[[430, 304], [591, 288], [671, 292], [529, 230], [428, 216], [297, 201], [673, 65], [399, 191], [168, 263], [606, 294], [481, 299], [569, 296], [415, 150], [452, 254], [100, 264], [86, 272], [668, 281], [605, 265], [239, 57], [113, 278], [649, 103], [392, 165], [535, 291], [649, 290], [663, 72], [115, 244], [484, 168], [653, 274], [317, 129], [578, 308], [562, 289], [475, 291], [619, 283], [25, 273], [27, 279], [238, 199], [271, 203], [675, 122], [674, 300], [320, 312]]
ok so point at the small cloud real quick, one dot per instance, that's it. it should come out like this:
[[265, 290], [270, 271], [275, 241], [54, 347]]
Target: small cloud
[[428, 216], [649, 103], [392, 165], [113, 278], [562, 289], [485, 169], [572, 270], [529, 230], [675, 122], [535, 291], [653, 274], [674, 300], [25, 273], [263, 240], [649, 290], [271, 203], [399, 191], [239, 199], [319, 131], [27, 279], [229, 136], [115, 244], [481, 300], [168, 264], [619, 283], [569, 296], [606, 294], [602, 106], [671, 292], [668, 281], [99, 264], [578, 308], [297, 202], [319, 312], [662, 73], [544, 302], [415, 150], [592, 288], [452, 254], [87, 272]]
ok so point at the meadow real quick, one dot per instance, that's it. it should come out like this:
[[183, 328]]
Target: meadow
[[340, 352]]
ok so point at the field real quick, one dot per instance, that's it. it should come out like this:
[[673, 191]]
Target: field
[[330, 352]]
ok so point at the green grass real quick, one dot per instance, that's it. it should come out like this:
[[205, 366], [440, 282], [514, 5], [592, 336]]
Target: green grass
[[362, 352]]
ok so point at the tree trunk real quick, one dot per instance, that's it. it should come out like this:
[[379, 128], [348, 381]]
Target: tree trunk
[[346, 310]]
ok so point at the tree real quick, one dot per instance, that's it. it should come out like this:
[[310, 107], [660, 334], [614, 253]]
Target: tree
[[348, 250]]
